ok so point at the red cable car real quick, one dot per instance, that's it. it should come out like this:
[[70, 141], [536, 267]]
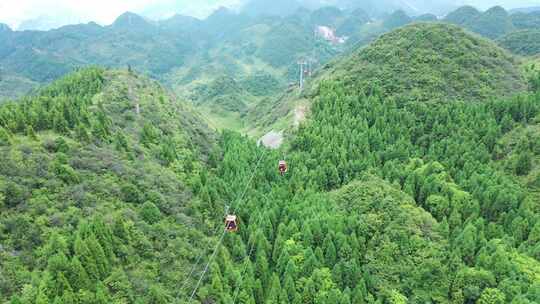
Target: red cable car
[[282, 167], [230, 223]]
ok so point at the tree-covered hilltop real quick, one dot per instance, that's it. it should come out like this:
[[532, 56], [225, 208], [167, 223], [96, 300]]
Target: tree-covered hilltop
[[462, 15], [96, 175], [495, 22], [384, 202], [430, 62], [492, 23], [524, 42], [255, 49], [387, 203]]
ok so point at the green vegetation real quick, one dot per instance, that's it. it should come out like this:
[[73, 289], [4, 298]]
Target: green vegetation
[[224, 92], [462, 15], [93, 197], [493, 23], [352, 25], [397, 19], [430, 62], [419, 209], [13, 86], [188, 55], [192, 56], [526, 20], [525, 42], [110, 189]]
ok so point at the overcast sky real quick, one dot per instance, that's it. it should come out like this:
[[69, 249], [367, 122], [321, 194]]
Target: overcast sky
[[13, 12]]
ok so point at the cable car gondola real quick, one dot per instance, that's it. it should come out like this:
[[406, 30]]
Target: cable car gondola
[[231, 224], [282, 167]]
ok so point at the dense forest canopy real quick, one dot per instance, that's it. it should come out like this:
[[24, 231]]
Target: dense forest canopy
[[423, 206], [413, 177], [192, 56], [430, 62]]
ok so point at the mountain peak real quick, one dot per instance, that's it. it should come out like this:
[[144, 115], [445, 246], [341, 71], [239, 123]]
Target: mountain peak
[[462, 15], [403, 51], [222, 10], [130, 20], [497, 9], [4, 28], [180, 22]]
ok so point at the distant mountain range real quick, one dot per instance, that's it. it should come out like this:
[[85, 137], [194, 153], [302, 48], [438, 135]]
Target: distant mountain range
[[375, 8], [249, 55], [525, 10]]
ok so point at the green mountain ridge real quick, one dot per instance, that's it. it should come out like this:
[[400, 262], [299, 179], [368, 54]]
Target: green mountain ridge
[[191, 56], [523, 42], [83, 179], [493, 23], [111, 189], [430, 62]]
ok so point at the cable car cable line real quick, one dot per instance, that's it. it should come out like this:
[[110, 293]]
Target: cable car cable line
[[246, 261], [203, 253], [201, 277], [199, 258], [206, 266]]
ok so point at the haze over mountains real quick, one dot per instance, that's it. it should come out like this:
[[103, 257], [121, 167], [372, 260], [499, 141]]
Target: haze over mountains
[[36, 16]]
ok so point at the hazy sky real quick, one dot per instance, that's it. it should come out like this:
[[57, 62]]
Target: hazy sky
[[13, 12]]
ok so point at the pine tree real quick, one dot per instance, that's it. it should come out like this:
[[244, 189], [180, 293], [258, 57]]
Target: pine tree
[[5, 138], [78, 276], [81, 133], [119, 285], [101, 294], [157, 295], [329, 251], [30, 132], [360, 292], [274, 291], [87, 260], [98, 254], [289, 287], [523, 163], [62, 285]]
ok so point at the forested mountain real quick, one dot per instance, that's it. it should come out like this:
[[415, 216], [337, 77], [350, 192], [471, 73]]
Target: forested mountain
[[514, 31], [89, 167], [191, 56], [376, 8], [524, 42], [430, 209], [495, 22], [229, 65], [462, 15], [415, 177], [429, 202], [430, 62]]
